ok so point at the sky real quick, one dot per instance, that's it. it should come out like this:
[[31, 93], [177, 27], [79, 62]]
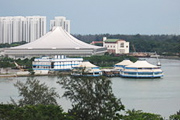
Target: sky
[[148, 17]]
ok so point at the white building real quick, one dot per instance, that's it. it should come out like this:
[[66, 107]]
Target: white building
[[19, 28], [62, 22], [56, 41], [116, 46], [44, 65], [119, 66], [142, 69], [86, 69]]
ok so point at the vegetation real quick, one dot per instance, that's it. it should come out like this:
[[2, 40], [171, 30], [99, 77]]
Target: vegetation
[[102, 61], [92, 98], [139, 115], [32, 112], [9, 62], [175, 116], [34, 93], [6, 45], [6, 62], [162, 44], [108, 60]]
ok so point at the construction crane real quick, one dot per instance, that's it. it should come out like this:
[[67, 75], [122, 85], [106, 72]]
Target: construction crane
[[133, 48], [19, 67]]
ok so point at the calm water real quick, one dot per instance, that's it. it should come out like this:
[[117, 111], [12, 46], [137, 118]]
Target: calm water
[[160, 96]]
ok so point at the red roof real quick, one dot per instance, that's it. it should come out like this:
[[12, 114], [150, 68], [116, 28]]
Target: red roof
[[94, 42]]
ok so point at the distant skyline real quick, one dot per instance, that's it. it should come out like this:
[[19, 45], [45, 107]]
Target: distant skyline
[[104, 16]]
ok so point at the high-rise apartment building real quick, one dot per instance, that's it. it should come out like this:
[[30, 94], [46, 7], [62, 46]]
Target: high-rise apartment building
[[62, 22], [19, 28]]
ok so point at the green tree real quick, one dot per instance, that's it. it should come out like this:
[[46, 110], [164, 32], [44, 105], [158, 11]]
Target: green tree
[[33, 112], [175, 116], [34, 93], [108, 60], [92, 98], [139, 115]]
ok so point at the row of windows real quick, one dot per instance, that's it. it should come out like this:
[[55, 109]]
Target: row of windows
[[110, 46], [42, 67], [133, 73], [142, 68], [113, 46]]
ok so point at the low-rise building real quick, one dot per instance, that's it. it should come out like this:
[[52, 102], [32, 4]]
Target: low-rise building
[[44, 65], [117, 46]]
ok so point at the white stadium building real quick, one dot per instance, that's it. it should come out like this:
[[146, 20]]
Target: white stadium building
[[56, 42]]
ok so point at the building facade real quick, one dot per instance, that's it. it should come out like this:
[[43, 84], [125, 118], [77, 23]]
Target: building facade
[[19, 28], [43, 65], [62, 22], [116, 46]]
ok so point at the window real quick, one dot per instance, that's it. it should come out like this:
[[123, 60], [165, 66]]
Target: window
[[122, 45]]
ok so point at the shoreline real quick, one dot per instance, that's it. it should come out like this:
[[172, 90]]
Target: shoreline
[[161, 57], [13, 74]]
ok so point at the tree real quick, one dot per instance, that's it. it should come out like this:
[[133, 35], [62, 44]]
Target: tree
[[33, 112], [34, 93], [139, 115], [92, 98], [175, 116]]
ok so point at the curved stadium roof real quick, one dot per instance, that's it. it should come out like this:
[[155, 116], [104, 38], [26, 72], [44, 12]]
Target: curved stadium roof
[[141, 64], [125, 62], [55, 42], [57, 38]]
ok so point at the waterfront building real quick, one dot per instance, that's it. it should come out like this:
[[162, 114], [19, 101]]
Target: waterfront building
[[19, 28], [142, 69], [86, 69], [98, 43], [44, 65], [117, 46], [56, 41], [119, 66], [61, 22]]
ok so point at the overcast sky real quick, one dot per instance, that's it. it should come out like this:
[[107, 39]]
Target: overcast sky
[[104, 16]]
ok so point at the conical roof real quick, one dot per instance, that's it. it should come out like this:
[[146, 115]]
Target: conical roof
[[86, 64], [125, 62], [141, 64], [57, 38]]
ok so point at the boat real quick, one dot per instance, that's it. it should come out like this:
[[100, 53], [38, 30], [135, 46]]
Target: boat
[[86, 69], [142, 69]]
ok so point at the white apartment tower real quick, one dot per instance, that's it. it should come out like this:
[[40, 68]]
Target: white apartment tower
[[19, 28], [62, 22]]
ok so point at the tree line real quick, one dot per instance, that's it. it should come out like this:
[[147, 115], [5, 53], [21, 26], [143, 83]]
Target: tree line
[[91, 98], [107, 60], [9, 62], [162, 44], [7, 45]]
